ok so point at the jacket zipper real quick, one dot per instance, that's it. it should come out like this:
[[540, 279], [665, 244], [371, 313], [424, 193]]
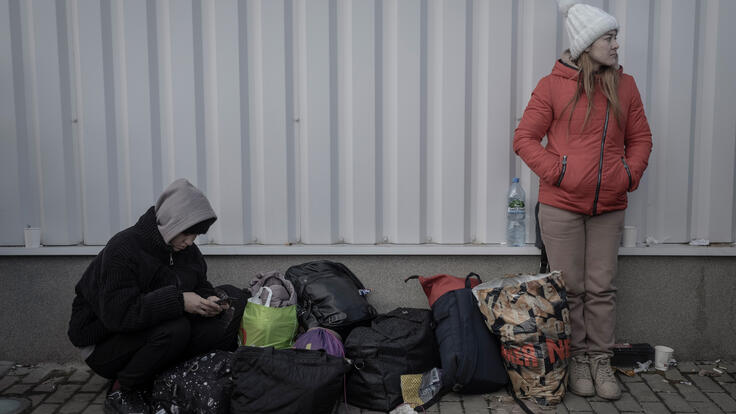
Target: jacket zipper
[[600, 160], [628, 171], [564, 167], [171, 264]]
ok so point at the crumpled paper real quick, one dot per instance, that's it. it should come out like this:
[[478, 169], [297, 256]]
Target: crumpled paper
[[403, 409], [699, 242]]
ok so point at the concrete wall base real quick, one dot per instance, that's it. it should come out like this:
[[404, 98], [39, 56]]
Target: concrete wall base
[[688, 303]]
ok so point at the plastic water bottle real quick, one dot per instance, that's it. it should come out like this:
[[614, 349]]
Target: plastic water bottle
[[516, 215]]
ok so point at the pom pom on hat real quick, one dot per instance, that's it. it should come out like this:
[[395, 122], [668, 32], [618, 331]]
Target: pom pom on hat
[[565, 5], [585, 24]]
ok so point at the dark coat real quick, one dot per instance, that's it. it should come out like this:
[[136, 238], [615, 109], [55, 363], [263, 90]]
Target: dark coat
[[134, 283]]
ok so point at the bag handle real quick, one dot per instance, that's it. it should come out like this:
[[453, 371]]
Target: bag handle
[[467, 279], [270, 295], [411, 277]]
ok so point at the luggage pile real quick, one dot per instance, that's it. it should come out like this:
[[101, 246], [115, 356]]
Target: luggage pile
[[345, 350]]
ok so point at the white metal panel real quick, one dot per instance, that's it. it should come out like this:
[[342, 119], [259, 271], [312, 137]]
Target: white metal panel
[[223, 120], [99, 152], [357, 120], [117, 77], [29, 182], [715, 128], [10, 207], [51, 129], [318, 196], [500, 120], [256, 119], [404, 204], [182, 143], [539, 50], [480, 128], [447, 132], [274, 140], [333, 121], [636, 57], [670, 118], [135, 75]]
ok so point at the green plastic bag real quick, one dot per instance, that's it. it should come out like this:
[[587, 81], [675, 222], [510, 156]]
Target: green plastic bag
[[265, 326]]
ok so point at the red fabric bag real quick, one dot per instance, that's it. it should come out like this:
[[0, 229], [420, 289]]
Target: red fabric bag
[[437, 285]]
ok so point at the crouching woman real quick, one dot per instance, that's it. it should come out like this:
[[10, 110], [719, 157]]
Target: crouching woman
[[144, 303]]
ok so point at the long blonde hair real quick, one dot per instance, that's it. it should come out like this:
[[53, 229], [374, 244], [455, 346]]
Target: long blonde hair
[[606, 76]]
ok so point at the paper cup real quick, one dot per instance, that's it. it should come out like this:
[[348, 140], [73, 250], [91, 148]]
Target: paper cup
[[662, 356], [629, 236], [32, 236]]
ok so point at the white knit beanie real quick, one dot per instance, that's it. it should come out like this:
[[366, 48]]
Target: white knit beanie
[[585, 24]]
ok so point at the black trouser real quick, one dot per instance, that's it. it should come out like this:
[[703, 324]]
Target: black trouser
[[135, 358]]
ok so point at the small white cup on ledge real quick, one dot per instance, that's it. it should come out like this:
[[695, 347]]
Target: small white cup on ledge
[[32, 237], [629, 236]]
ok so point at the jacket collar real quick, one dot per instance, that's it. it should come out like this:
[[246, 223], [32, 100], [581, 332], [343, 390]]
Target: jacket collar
[[147, 229], [565, 68]]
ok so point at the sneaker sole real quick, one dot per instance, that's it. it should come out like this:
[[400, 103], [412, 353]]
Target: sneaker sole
[[609, 398], [582, 394]]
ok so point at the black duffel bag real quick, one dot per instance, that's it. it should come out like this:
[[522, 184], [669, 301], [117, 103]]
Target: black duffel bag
[[397, 343], [330, 295], [285, 381]]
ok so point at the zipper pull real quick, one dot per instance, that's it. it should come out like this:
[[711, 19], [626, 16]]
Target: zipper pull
[[171, 259]]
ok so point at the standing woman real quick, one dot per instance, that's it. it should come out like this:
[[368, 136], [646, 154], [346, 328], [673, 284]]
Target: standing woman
[[598, 145]]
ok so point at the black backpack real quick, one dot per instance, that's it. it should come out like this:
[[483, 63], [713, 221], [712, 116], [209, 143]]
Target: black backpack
[[397, 343], [286, 381], [470, 353], [330, 295], [200, 385]]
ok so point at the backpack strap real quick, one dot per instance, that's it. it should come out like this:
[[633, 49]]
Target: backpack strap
[[519, 402], [467, 279], [432, 401], [544, 262]]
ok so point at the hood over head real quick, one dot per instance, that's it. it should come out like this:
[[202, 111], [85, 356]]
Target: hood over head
[[181, 207]]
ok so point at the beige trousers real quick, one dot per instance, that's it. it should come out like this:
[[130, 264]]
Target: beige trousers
[[585, 249]]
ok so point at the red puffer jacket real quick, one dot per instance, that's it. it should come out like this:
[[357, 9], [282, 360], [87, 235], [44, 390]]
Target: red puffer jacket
[[586, 170]]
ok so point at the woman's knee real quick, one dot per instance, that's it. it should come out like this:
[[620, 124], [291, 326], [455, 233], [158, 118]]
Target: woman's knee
[[174, 333]]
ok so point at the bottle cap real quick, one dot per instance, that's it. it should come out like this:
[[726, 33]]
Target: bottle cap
[[515, 180]]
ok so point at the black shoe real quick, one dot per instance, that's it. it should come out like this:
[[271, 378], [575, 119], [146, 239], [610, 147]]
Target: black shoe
[[125, 401]]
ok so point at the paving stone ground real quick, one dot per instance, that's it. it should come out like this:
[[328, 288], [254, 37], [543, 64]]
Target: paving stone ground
[[52, 388]]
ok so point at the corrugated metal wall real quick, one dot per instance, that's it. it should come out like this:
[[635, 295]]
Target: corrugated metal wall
[[329, 121]]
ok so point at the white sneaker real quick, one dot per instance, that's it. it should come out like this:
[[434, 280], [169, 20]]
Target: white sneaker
[[606, 385], [580, 381]]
